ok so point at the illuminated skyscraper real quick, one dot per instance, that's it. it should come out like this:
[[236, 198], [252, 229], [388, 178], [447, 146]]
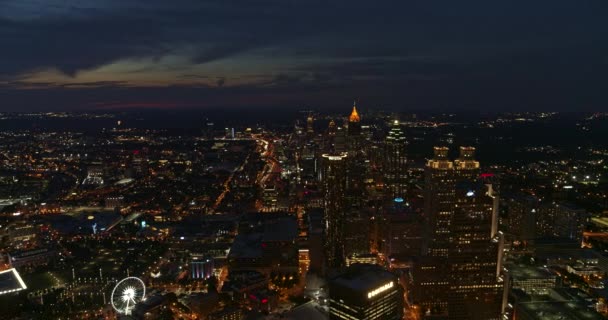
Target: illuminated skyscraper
[[439, 199], [466, 166], [430, 289], [395, 162], [474, 254], [354, 122], [356, 168], [400, 232], [334, 186], [331, 130], [459, 278], [356, 233], [342, 176], [309, 125]]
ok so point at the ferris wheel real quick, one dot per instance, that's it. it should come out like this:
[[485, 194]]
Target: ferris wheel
[[127, 293]]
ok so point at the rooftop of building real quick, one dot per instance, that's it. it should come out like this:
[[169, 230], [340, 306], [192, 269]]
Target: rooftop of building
[[567, 249], [557, 303], [151, 302], [246, 246], [243, 279], [554, 310], [585, 268], [363, 277], [251, 245], [520, 197], [10, 281], [226, 311], [600, 221], [306, 311], [284, 229], [522, 272], [18, 254], [400, 209], [570, 206]]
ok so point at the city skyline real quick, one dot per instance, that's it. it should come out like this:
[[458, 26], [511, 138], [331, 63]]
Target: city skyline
[[347, 216]]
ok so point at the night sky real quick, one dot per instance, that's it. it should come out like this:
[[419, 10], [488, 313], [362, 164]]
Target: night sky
[[487, 55]]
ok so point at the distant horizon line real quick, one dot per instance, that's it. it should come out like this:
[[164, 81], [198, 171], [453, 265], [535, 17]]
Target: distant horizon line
[[304, 109]]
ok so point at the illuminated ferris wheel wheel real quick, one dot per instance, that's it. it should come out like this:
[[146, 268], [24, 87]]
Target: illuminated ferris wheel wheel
[[127, 293]]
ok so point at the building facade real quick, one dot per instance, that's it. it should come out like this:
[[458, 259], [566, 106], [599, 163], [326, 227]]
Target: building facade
[[395, 160], [458, 275], [334, 188], [365, 291]]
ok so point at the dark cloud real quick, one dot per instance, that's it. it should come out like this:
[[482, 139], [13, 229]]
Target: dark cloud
[[193, 76], [549, 53], [284, 79], [220, 82], [95, 84]]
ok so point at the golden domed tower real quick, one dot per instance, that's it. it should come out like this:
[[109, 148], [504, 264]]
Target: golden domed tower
[[354, 116], [354, 122]]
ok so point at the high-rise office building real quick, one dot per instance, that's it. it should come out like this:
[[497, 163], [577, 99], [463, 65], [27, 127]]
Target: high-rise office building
[[331, 128], [458, 275], [519, 222], [474, 254], [441, 179], [365, 291], [430, 283], [309, 125], [356, 222], [439, 201], [342, 176], [334, 188], [395, 162], [466, 166], [401, 232], [356, 168], [356, 233]]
